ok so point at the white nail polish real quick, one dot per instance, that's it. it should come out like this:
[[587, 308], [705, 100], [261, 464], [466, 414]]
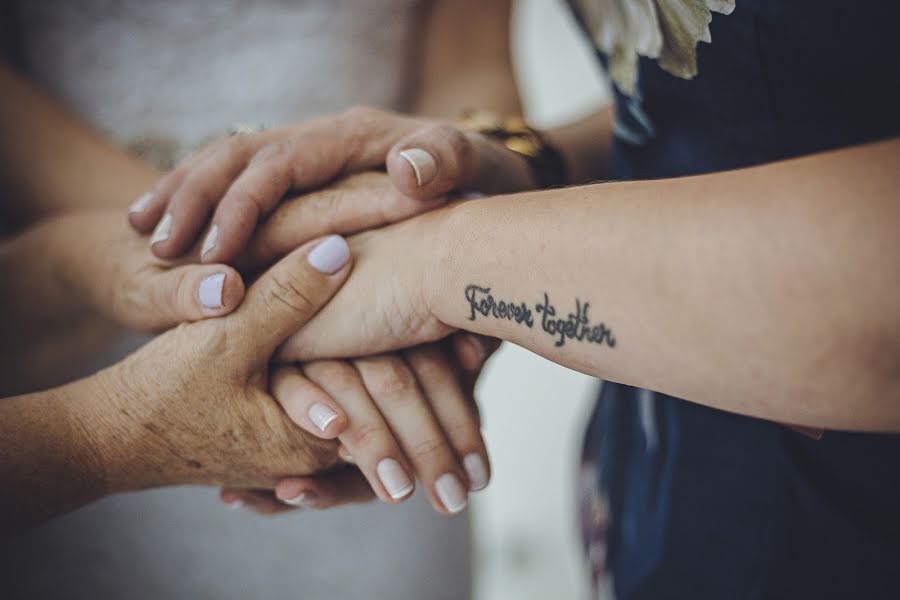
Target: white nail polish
[[394, 478], [304, 499], [235, 505], [210, 291], [330, 255], [423, 164], [321, 415], [163, 229], [476, 471], [451, 492], [210, 242], [140, 205]]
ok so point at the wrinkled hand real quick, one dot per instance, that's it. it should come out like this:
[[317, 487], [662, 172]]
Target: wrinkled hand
[[192, 406], [241, 179], [107, 267]]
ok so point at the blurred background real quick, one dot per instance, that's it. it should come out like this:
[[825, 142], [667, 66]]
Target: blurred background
[[524, 525]]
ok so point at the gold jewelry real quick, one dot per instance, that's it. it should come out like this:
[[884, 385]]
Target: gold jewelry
[[516, 135]]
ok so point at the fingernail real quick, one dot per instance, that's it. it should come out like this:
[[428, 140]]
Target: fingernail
[[345, 455], [235, 505], [451, 492], [210, 291], [423, 164], [210, 242], [163, 230], [476, 471], [394, 478], [471, 195], [321, 415], [140, 205], [330, 255], [305, 499]]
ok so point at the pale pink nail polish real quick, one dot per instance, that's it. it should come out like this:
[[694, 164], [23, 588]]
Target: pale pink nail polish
[[451, 492], [321, 415], [394, 478]]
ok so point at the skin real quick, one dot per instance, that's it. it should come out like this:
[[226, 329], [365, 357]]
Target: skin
[[816, 341], [187, 408], [153, 294]]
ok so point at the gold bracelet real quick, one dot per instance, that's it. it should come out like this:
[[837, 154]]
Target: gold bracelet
[[516, 135]]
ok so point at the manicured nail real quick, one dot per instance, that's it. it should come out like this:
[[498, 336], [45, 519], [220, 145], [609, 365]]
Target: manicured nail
[[140, 205], [423, 164], [330, 255], [451, 492], [210, 242], [210, 291], [394, 478], [235, 504], [345, 455], [306, 499], [321, 415], [163, 229], [471, 195], [476, 471]]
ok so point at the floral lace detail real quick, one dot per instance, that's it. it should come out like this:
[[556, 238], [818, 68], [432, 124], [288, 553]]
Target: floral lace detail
[[665, 30]]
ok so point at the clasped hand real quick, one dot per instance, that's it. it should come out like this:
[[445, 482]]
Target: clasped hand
[[400, 416]]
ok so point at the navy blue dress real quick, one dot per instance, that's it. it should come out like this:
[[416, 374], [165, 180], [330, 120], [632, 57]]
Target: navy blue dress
[[685, 501]]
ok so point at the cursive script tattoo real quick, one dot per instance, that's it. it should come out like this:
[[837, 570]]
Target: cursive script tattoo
[[575, 326]]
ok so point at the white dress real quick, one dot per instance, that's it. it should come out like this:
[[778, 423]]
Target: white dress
[[160, 77]]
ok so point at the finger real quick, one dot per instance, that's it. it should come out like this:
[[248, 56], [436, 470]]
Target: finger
[[306, 403], [358, 203], [440, 158], [285, 297], [367, 437], [346, 486], [261, 502], [190, 203], [453, 409], [359, 139], [186, 293], [396, 393], [145, 212], [473, 350]]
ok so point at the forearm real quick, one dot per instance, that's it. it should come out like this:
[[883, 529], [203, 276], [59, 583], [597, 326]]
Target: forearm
[[585, 145], [53, 275], [48, 465], [770, 292], [51, 162]]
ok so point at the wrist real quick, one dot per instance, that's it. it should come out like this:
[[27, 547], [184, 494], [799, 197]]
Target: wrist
[[115, 440]]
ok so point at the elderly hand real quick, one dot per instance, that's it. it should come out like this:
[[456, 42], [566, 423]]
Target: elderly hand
[[192, 406], [241, 179]]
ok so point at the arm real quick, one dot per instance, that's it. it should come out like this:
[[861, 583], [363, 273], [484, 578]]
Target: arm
[[46, 152], [770, 291], [191, 406], [465, 59]]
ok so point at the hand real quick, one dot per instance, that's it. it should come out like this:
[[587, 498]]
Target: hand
[[241, 179], [386, 306], [192, 405], [106, 267], [418, 405]]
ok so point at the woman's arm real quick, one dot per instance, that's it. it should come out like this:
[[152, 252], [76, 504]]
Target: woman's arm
[[772, 291], [191, 406], [51, 162]]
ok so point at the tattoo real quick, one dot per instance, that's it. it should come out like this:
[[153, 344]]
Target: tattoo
[[575, 326]]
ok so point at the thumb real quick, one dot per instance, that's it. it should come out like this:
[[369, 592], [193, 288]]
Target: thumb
[[186, 293], [290, 293], [442, 158]]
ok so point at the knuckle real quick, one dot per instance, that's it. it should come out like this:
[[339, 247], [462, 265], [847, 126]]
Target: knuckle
[[390, 378], [429, 366], [428, 450], [369, 437], [284, 290], [336, 377]]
